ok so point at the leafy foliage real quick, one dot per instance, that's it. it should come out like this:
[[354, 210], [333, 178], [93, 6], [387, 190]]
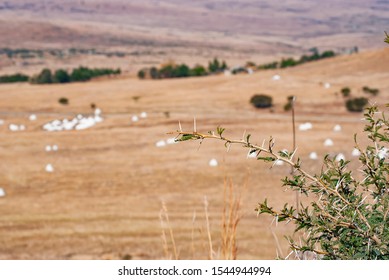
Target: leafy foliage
[[261, 101], [345, 91], [372, 91], [15, 78], [290, 62], [356, 104], [346, 218], [79, 74]]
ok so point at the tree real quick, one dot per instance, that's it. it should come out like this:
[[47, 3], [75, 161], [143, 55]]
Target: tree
[[198, 70], [61, 76], [44, 77], [141, 74]]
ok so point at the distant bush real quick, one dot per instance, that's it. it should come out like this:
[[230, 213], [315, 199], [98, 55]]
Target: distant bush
[[290, 62], [356, 104], [63, 101], [15, 78], [79, 74], [215, 66], [61, 76], [272, 65], [141, 74], [178, 71], [345, 91], [198, 71], [261, 101], [288, 105], [372, 91], [44, 77]]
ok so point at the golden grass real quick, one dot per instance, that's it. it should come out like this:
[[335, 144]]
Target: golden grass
[[104, 198]]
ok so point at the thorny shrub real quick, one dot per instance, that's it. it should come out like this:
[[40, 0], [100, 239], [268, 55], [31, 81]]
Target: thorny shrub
[[347, 218]]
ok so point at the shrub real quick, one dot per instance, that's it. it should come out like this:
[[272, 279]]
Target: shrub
[[63, 101], [344, 218], [289, 104], [261, 101], [15, 78], [44, 77], [356, 104], [345, 91], [215, 66], [198, 70], [289, 62], [141, 74], [61, 76], [372, 91]]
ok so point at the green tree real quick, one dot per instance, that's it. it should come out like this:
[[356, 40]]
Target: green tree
[[61, 76], [44, 77], [198, 70]]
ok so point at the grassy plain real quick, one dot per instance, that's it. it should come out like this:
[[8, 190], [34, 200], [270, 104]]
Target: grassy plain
[[105, 195]]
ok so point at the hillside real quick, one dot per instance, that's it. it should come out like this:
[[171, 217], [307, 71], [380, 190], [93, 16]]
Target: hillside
[[104, 196], [151, 32]]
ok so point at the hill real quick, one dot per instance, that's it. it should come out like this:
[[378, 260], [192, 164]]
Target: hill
[[151, 32], [104, 196]]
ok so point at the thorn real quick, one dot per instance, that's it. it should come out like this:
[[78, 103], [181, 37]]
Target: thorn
[[179, 126], [292, 155], [244, 134], [194, 125], [229, 146]]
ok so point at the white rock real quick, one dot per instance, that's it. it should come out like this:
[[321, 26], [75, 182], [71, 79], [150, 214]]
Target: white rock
[[171, 141], [22, 127], [79, 116], [337, 128], [143, 115], [49, 168], [213, 163], [48, 148], [32, 117], [135, 118], [340, 157], [355, 152], [97, 111], [2, 192], [84, 125], [160, 144], [55, 148], [227, 73], [56, 122], [276, 78], [327, 85], [98, 119], [250, 71], [13, 127], [328, 142], [1, 122], [305, 126], [313, 156]]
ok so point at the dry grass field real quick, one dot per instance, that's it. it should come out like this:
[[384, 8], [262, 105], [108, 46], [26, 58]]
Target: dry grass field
[[104, 198]]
